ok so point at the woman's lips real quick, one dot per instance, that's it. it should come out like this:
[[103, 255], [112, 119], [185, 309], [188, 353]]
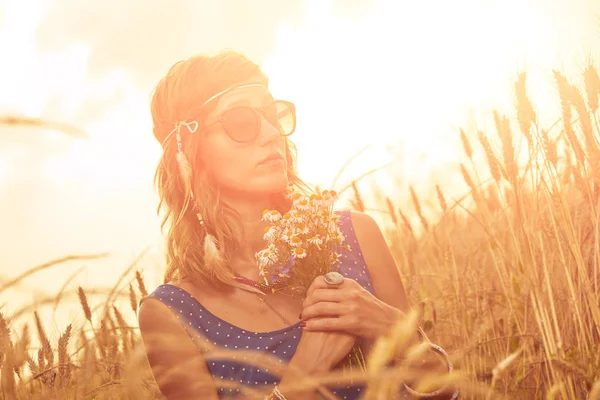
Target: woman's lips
[[272, 159]]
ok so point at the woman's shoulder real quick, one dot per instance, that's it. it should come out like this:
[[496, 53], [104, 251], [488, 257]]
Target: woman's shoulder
[[362, 223], [362, 231]]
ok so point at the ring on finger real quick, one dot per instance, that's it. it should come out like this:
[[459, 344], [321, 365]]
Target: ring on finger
[[333, 278]]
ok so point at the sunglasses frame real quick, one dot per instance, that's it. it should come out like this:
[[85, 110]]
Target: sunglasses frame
[[261, 114]]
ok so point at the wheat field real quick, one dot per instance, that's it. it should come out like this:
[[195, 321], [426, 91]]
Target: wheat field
[[505, 278]]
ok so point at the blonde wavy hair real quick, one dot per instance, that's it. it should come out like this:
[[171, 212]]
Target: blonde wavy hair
[[178, 97]]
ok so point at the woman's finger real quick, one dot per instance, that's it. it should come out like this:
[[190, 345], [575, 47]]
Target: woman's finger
[[320, 283], [318, 295], [328, 324], [324, 309]]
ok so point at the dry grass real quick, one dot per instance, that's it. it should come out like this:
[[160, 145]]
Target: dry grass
[[507, 279], [517, 273]]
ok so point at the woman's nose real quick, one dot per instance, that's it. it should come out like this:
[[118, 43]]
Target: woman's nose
[[268, 132]]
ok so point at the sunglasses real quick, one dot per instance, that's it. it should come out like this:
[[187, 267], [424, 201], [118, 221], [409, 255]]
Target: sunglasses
[[242, 123]]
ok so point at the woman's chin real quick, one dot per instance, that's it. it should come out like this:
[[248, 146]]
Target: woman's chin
[[272, 185], [258, 186]]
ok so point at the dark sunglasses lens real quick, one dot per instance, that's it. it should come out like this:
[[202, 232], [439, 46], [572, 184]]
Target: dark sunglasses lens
[[241, 123]]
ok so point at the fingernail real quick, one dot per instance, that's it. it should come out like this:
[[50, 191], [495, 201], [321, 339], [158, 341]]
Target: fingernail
[[302, 324]]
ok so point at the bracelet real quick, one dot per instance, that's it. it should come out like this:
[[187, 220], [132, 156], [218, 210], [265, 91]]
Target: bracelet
[[275, 395], [278, 393], [442, 352], [422, 337]]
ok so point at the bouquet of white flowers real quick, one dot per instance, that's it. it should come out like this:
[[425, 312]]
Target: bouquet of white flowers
[[308, 235], [303, 244]]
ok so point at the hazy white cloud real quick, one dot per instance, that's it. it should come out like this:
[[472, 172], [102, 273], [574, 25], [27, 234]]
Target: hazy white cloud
[[147, 36]]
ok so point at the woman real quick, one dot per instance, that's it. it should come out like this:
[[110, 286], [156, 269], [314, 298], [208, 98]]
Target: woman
[[227, 157]]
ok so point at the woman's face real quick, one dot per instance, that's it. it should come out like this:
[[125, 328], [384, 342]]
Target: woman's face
[[257, 167]]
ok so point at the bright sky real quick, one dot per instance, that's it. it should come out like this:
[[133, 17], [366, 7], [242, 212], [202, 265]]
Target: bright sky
[[376, 73]]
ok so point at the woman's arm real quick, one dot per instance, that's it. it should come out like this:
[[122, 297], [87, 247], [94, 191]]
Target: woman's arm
[[385, 276], [177, 364]]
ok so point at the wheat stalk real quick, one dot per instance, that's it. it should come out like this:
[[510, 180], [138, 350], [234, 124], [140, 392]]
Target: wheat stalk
[[46, 347], [525, 113], [61, 291], [466, 144], [4, 334], [114, 290], [493, 163], [417, 204], [122, 325], [391, 211], [133, 299], [563, 90], [406, 223], [508, 148], [576, 99], [592, 86], [20, 120], [20, 352], [441, 199], [469, 182], [63, 357], [140, 280], [549, 147], [49, 264], [84, 304], [595, 392], [357, 202]]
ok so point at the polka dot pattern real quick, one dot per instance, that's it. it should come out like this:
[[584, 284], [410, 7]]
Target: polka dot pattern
[[281, 343]]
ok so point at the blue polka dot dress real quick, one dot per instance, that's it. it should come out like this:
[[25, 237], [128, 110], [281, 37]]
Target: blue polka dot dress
[[281, 343]]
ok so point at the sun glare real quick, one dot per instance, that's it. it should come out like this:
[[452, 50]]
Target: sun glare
[[399, 77], [405, 73], [3, 172]]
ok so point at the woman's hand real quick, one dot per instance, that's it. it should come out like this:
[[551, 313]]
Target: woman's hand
[[317, 353], [347, 307]]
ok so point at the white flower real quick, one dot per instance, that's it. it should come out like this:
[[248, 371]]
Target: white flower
[[329, 197], [286, 234], [271, 233], [271, 215], [301, 228], [267, 256], [316, 240], [322, 223], [316, 201], [302, 204], [294, 195], [299, 252], [296, 217], [332, 227], [335, 217], [334, 258], [295, 241]]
